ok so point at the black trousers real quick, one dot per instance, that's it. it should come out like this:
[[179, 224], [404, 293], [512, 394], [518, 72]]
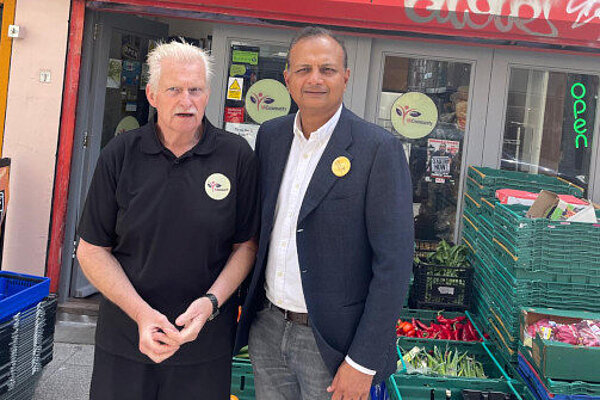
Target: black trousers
[[118, 378]]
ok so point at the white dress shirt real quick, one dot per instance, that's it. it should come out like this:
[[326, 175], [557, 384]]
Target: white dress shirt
[[283, 284]]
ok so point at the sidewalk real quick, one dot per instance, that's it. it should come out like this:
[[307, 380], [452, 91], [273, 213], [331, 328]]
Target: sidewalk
[[68, 375]]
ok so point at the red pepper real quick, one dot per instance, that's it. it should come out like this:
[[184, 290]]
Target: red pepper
[[435, 327], [455, 335], [412, 333], [472, 334], [445, 333], [450, 321], [420, 334], [422, 325], [465, 337]]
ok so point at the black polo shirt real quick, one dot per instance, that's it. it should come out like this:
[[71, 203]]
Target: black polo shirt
[[171, 223]]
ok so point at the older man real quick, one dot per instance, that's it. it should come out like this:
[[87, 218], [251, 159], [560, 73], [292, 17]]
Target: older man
[[336, 240], [166, 236]]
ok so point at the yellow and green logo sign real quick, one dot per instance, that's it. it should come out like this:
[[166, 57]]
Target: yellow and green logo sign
[[414, 115], [267, 99]]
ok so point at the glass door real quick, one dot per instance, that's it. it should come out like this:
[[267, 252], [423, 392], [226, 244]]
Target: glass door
[[112, 101], [548, 124], [248, 87], [434, 99]]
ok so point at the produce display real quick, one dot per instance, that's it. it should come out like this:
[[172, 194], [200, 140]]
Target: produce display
[[583, 333], [442, 362], [458, 328], [447, 255]]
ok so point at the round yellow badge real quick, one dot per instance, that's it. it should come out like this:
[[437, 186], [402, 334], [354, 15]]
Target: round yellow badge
[[340, 166]]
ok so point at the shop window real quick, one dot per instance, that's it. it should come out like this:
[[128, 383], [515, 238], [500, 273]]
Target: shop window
[[255, 90], [125, 106], [424, 102], [550, 119]]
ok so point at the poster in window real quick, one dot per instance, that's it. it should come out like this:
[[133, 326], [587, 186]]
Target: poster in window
[[440, 156], [132, 70], [113, 77]]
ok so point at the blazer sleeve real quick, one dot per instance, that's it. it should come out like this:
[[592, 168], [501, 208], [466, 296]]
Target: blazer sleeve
[[389, 223]]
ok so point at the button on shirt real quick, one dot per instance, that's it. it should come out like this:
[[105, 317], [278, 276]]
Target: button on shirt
[[283, 282]]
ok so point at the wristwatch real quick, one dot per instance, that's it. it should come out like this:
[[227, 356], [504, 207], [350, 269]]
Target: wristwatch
[[215, 304]]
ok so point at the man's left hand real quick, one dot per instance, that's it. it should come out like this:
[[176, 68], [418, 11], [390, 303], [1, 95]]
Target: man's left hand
[[193, 319], [350, 384]]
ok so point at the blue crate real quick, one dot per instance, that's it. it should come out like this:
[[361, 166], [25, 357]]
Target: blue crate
[[538, 388], [20, 291]]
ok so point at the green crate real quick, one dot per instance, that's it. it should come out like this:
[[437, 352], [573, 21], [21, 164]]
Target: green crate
[[494, 179], [469, 228], [487, 208], [506, 348], [428, 316], [559, 386], [560, 264], [417, 386], [242, 379], [487, 224], [538, 293], [471, 204], [476, 349]]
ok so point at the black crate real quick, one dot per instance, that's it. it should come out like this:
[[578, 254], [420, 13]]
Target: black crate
[[442, 287]]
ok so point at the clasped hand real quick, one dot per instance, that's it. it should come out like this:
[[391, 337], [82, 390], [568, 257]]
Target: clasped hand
[[159, 339]]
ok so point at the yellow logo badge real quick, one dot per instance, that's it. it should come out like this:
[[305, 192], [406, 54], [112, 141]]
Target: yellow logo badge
[[340, 166]]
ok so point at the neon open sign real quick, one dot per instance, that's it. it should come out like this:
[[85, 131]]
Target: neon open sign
[[578, 91]]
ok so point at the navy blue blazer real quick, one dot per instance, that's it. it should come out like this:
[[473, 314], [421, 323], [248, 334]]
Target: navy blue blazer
[[354, 237]]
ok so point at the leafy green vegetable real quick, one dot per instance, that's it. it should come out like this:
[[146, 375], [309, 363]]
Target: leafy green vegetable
[[448, 362], [445, 254]]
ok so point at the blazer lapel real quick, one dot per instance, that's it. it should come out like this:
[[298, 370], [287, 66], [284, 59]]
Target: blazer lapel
[[277, 159], [323, 178]]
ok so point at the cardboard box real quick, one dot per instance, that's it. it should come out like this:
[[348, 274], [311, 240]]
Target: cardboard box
[[557, 360], [550, 205], [513, 196]]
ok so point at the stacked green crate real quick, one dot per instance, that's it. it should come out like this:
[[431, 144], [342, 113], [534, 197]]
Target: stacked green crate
[[519, 261], [482, 182]]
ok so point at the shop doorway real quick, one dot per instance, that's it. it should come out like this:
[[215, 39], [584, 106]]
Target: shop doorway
[[111, 101], [434, 98], [111, 97], [548, 116]]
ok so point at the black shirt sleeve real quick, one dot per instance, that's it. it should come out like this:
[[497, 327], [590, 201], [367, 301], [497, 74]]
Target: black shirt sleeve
[[247, 207], [97, 225]]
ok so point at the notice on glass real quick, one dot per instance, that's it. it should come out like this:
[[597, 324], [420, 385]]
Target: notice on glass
[[234, 114], [247, 131], [440, 155], [113, 78], [245, 57], [234, 88]]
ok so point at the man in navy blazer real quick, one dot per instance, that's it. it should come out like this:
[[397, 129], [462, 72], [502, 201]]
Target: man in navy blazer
[[336, 239]]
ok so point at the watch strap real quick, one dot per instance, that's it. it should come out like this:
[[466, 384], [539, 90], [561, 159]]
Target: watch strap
[[215, 304]]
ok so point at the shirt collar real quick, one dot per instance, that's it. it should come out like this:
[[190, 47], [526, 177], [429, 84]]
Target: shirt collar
[[150, 143], [323, 133]]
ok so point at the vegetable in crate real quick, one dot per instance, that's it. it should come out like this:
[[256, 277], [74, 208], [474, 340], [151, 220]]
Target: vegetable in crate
[[447, 255], [438, 362], [458, 328], [583, 333]]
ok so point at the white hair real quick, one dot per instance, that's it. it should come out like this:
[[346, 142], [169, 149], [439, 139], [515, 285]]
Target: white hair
[[179, 51]]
